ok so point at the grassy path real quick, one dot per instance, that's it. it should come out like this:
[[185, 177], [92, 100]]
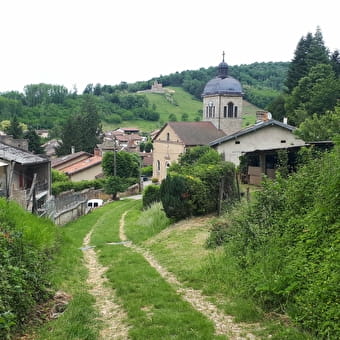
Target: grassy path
[[224, 324]]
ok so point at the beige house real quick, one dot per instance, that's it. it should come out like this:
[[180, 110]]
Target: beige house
[[270, 134], [67, 160], [174, 138], [87, 169]]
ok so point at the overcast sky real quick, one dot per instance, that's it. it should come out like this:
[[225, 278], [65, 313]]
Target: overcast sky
[[77, 42]]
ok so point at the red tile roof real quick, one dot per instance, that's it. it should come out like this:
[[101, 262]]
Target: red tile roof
[[82, 165]]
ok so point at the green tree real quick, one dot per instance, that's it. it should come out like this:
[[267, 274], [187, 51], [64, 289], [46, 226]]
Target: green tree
[[277, 107], [14, 128], [127, 164], [82, 130], [309, 52], [34, 144], [115, 184], [320, 127], [315, 93]]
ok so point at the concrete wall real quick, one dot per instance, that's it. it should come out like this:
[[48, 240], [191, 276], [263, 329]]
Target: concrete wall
[[166, 152], [270, 137], [70, 214]]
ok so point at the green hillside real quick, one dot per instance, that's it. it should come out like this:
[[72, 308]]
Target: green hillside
[[176, 101]]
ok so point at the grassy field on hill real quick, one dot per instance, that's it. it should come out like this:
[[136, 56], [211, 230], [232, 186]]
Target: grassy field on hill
[[178, 102]]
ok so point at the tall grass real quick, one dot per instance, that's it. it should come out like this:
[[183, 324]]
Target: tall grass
[[142, 225]]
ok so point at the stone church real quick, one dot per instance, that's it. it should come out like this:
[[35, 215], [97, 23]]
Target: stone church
[[222, 101]]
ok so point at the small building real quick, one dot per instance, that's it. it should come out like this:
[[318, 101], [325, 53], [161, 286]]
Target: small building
[[87, 169], [24, 176], [174, 138], [270, 134], [65, 161]]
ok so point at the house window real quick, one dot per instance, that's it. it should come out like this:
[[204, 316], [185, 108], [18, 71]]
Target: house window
[[230, 110], [168, 137], [235, 111], [225, 112]]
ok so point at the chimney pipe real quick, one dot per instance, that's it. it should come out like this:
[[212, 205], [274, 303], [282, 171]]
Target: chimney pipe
[[72, 149], [285, 120]]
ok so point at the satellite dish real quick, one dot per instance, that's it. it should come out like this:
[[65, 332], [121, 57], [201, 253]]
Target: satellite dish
[[269, 115]]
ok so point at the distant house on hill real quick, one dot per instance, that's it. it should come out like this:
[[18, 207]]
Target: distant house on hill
[[174, 138], [24, 176]]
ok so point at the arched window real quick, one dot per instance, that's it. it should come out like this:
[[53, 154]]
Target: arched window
[[158, 165], [225, 112], [214, 111], [235, 111], [168, 137], [230, 110], [207, 111]]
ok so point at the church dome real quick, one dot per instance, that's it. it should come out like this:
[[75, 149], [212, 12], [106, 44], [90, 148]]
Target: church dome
[[223, 83]]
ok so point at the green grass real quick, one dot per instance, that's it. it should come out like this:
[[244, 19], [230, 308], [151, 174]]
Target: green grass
[[181, 250], [69, 275], [249, 113], [140, 226], [155, 310], [186, 103]]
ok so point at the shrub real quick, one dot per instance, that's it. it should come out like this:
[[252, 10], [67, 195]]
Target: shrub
[[26, 243], [147, 170], [59, 187], [151, 194], [285, 245]]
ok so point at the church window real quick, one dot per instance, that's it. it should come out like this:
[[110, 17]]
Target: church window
[[230, 110], [235, 111], [207, 111], [225, 112], [214, 111], [158, 165]]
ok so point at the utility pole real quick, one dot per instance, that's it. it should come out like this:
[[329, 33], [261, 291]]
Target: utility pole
[[115, 159]]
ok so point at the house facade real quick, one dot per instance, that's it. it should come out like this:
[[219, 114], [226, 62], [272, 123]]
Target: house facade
[[174, 138], [24, 177], [270, 134]]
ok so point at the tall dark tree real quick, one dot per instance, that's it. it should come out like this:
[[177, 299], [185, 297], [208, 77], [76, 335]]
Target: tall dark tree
[[335, 62], [82, 130], [309, 52], [34, 144], [14, 128]]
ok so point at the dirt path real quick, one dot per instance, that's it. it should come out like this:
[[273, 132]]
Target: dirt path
[[111, 313], [224, 324]]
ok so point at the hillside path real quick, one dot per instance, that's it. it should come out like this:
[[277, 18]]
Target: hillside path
[[224, 324], [111, 313]]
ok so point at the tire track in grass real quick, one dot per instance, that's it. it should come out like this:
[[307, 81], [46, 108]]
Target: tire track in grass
[[224, 324], [111, 313]]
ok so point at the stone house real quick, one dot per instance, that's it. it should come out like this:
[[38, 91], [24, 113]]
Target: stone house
[[24, 176], [174, 138]]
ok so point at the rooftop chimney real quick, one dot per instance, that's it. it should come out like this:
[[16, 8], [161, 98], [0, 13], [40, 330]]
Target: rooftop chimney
[[72, 149]]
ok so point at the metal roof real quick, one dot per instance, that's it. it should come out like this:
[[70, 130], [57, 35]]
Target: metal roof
[[250, 129], [11, 153], [218, 85]]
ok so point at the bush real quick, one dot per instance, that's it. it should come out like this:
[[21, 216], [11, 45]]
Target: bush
[[26, 243], [285, 245], [147, 170], [59, 187], [151, 194]]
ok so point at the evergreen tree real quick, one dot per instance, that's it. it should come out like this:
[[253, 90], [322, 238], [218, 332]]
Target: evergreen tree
[[335, 62], [81, 130], [34, 144], [14, 129], [309, 52]]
